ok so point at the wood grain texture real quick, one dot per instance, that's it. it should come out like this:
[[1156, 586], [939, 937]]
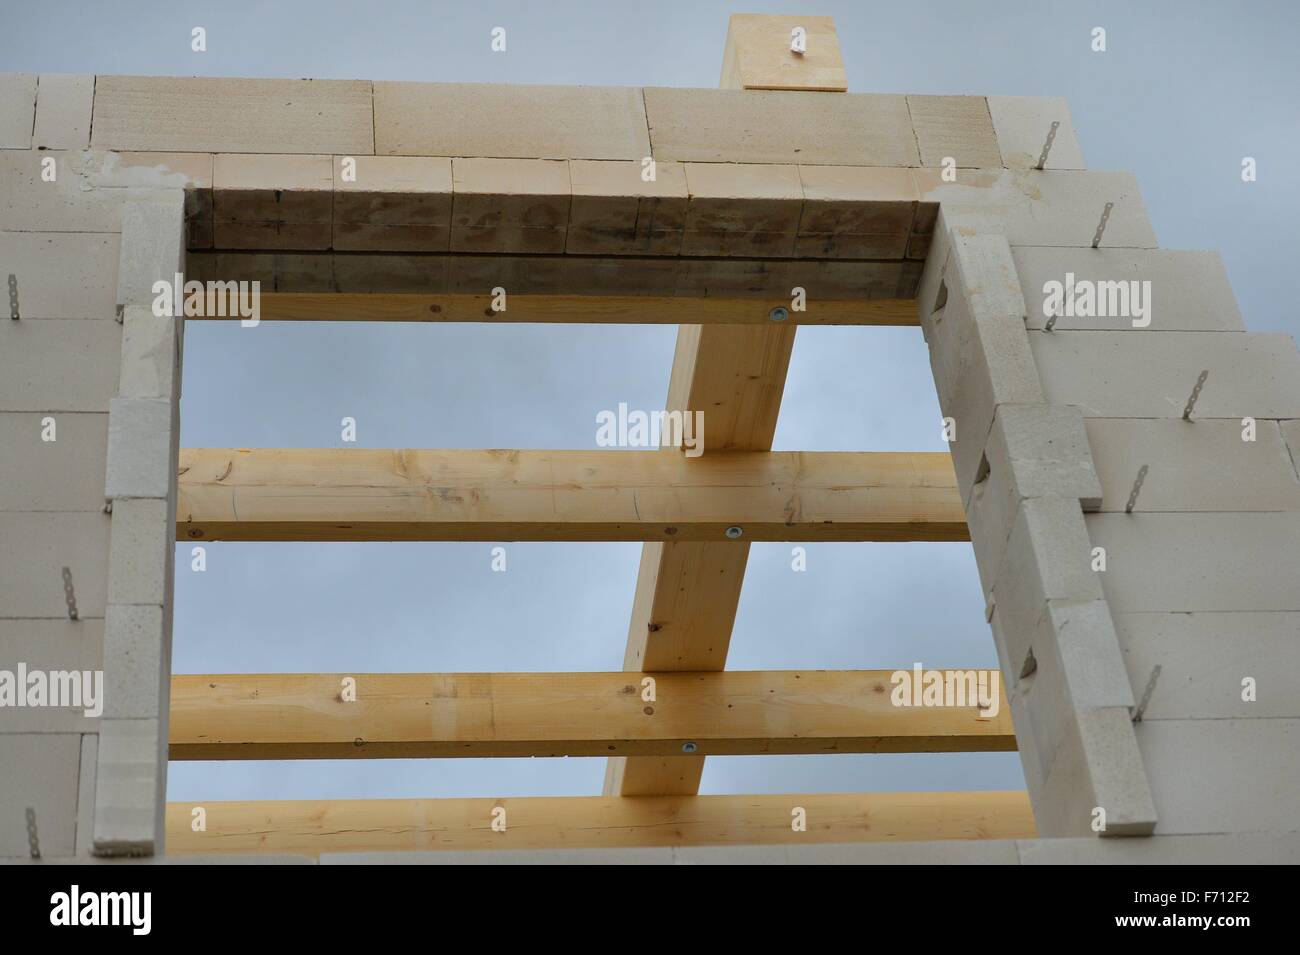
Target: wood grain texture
[[311, 827], [403, 715], [360, 494]]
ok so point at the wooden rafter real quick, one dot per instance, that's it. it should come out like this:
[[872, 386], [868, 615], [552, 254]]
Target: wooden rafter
[[358, 494], [310, 715], [585, 822]]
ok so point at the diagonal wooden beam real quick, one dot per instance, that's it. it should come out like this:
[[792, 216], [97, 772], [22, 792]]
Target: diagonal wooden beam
[[403, 715], [360, 494], [687, 594], [313, 827]]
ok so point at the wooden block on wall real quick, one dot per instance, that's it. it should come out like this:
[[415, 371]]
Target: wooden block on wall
[[758, 54]]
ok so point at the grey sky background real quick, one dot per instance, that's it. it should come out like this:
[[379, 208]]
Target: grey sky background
[[1184, 91]]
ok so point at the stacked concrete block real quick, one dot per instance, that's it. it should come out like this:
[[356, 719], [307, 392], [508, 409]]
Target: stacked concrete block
[[627, 207], [1188, 291], [478, 120], [392, 203], [140, 484], [1025, 473], [742, 209], [510, 205], [1024, 124], [63, 107], [1143, 599], [59, 373], [272, 202], [219, 115], [17, 110], [773, 126], [856, 212], [138, 174], [954, 130]]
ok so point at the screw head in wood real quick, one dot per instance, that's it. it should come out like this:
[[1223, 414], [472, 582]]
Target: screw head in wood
[[689, 747], [779, 314], [734, 533]]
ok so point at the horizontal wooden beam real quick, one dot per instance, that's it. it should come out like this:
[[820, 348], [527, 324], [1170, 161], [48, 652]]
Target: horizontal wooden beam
[[355, 494], [312, 827], [581, 309], [391, 715]]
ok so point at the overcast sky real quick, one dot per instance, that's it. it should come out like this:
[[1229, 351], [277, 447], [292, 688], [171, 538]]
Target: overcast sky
[[1184, 91]]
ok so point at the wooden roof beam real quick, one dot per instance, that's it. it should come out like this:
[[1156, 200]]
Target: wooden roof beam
[[403, 715], [350, 494], [312, 827]]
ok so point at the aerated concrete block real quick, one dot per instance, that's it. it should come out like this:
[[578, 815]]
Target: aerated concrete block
[[1291, 435], [1031, 451], [1223, 775], [978, 351], [1048, 557], [86, 794], [1076, 665], [1191, 562], [856, 212], [489, 120], [40, 773], [1244, 848], [1097, 766], [130, 788], [64, 366], [33, 572], [392, 203], [62, 275], [191, 172], [1207, 659], [1188, 291], [616, 211], [742, 209], [780, 126], [954, 127], [54, 646], [140, 554], [140, 461], [510, 205], [272, 201], [1055, 208], [1201, 465], [63, 105], [1023, 124], [55, 475], [44, 191], [151, 354], [17, 110], [207, 114], [1122, 375], [137, 661], [153, 247]]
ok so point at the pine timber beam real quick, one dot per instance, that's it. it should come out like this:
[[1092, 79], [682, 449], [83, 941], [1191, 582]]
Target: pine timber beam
[[403, 715], [687, 594], [312, 827], [352, 494], [581, 309]]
